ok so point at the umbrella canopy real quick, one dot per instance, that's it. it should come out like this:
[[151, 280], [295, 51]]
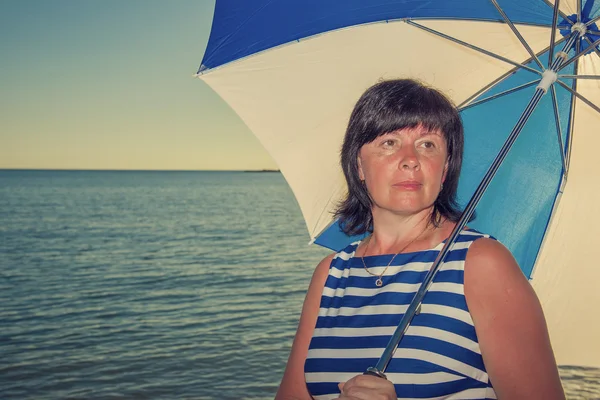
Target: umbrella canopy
[[293, 71]]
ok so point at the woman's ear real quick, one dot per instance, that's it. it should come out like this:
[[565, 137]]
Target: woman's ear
[[445, 170], [361, 174]]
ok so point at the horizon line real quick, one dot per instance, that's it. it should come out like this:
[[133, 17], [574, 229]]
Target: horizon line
[[139, 170]]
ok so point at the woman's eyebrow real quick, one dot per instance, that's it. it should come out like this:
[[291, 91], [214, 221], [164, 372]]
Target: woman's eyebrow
[[434, 132], [392, 133], [423, 132]]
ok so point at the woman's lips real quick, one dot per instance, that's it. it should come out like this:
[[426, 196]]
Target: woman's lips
[[408, 185]]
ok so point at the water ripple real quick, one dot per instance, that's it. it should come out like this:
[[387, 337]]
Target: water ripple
[[134, 285]]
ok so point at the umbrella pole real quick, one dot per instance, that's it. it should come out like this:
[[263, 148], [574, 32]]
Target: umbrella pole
[[548, 78]]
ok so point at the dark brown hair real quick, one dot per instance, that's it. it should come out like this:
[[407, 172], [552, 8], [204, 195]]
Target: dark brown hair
[[386, 107]]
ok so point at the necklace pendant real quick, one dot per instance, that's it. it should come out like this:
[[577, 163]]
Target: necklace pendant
[[379, 282]]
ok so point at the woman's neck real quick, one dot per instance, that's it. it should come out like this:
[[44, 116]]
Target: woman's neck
[[394, 233]]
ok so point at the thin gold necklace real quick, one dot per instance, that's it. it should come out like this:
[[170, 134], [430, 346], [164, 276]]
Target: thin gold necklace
[[379, 281]]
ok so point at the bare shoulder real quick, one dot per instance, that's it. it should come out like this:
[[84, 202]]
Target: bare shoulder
[[494, 284], [490, 253], [323, 265], [293, 385], [319, 277], [317, 283], [510, 325], [492, 276], [489, 261]]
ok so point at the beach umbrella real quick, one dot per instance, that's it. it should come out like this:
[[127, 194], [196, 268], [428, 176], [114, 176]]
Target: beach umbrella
[[525, 75]]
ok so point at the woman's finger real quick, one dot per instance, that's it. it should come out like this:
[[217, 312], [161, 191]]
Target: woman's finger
[[367, 381], [367, 387]]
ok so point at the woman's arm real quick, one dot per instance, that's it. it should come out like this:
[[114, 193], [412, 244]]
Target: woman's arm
[[510, 325], [293, 384]]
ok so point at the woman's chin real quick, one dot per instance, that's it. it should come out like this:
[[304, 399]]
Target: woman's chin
[[407, 208]]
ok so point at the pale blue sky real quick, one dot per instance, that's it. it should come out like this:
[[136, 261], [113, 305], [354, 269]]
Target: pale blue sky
[[108, 85]]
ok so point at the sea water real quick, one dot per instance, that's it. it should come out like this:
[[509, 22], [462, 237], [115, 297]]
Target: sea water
[[155, 285]]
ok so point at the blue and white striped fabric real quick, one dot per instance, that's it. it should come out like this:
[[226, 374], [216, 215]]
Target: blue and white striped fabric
[[439, 357]]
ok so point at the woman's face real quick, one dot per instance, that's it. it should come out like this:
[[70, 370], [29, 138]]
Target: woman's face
[[404, 169]]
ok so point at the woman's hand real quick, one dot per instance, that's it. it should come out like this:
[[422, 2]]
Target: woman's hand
[[367, 387]]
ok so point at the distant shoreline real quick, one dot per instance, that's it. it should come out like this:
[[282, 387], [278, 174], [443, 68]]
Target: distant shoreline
[[262, 170], [133, 170]]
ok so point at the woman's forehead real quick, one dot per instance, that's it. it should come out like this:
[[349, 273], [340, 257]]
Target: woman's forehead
[[419, 129]]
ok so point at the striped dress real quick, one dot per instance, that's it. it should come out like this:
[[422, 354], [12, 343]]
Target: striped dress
[[439, 358]]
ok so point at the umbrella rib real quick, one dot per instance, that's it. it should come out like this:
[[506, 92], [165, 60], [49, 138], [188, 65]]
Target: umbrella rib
[[572, 108], [502, 78], [486, 88], [559, 131], [579, 96], [501, 94], [580, 76], [562, 14], [553, 31], [325, 210], [518, 34], [587, 39], [576, 56], [578, 10], [592, 21], [473, 47]]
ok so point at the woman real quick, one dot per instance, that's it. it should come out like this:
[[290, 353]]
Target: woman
[[480, 334]]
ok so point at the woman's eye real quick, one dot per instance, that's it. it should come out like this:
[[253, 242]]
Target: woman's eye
[[428, 145], [389, 142]]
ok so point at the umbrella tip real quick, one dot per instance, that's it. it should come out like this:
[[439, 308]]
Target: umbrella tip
[[201, 70]]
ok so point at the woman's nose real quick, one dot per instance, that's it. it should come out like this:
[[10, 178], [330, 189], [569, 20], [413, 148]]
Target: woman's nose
[[409, 159]]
